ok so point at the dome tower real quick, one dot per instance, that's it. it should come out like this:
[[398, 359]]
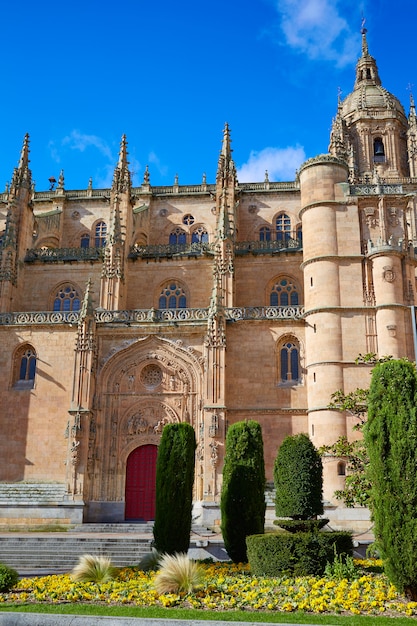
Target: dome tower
[[370, 128]]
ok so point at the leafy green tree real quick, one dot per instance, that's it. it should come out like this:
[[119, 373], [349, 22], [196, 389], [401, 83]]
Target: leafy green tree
[[356, 491], [391, 441], [357, 486], [174, 488], [298, 478], [243, 492]]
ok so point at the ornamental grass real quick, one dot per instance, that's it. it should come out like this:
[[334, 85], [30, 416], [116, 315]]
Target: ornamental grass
[[228, 587], [177, 573], [93, 569]]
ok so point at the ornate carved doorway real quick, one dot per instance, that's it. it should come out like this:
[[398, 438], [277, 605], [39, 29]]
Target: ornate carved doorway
[[140, 483]]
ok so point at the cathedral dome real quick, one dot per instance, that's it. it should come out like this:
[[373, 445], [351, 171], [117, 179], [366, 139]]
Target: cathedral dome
[[369, 95]]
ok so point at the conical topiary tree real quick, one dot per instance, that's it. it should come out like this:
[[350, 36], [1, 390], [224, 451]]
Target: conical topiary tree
[[174, 488], [243, 491], [298, 478], [391, 442]]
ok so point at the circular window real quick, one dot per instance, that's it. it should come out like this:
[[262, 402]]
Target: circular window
[[151, 376], [188, 219]]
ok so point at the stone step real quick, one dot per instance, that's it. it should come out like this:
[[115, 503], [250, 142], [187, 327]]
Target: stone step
[[124, 527], [62, 553]]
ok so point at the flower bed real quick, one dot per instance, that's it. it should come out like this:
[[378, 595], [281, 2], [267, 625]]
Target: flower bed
[[228, 587]]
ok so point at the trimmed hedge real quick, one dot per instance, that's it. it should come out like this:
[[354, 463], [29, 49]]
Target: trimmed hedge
[[298, 478], [296, 554], [242, 501], [8, 578], [174, 488]]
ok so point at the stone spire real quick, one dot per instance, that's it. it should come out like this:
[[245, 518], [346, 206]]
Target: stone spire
[[226, 167], [339, 141], [366, 67], [22, 176], [225, 189], [121, 178], [412, 138]]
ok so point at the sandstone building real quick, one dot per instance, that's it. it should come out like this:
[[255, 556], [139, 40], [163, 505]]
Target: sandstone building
[[124, 309]]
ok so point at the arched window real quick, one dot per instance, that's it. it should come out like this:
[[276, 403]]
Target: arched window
[[299, 234], [265, 233], [199, 235], [172, 297], [67, 298], [379, 150], [341, 468], [100, 235], [177, 236], [284, 293], [85, 240], [283, 227], [289, 361], [25, 367]]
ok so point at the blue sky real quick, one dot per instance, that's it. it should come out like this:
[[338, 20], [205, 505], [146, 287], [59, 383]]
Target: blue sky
[[77, 75]]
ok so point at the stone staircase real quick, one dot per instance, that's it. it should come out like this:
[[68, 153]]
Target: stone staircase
[[125, 544], [59, 552]]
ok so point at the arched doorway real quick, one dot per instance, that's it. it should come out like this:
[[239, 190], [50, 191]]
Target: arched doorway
[[140, 483]]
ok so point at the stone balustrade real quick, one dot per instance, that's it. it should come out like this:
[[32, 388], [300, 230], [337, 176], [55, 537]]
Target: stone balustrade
[[146, 316]]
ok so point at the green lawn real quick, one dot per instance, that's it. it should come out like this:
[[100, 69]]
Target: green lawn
[[194, 615]]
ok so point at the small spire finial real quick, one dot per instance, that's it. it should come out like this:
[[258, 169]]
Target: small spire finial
[[365, 51], [146, 176], [61, 180], [339, 96]]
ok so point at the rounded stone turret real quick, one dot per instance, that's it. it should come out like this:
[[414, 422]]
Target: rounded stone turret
[[330, 234]]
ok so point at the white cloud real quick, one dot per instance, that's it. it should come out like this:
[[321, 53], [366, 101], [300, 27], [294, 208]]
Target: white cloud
[[79, 141], [153, 159], [317, 28], [54, 151], [281, 164]]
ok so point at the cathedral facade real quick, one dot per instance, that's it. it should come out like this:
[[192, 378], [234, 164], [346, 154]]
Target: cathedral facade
[[125, 309]]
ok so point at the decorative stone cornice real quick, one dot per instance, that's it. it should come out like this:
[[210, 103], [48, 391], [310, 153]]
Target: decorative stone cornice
[[323, 159]]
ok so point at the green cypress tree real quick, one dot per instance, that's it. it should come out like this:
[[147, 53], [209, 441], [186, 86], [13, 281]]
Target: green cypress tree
[[174, 488], [243, 491], [391, 440], [298, 478]]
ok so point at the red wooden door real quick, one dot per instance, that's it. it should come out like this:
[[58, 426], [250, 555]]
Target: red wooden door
[[140, 483]]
